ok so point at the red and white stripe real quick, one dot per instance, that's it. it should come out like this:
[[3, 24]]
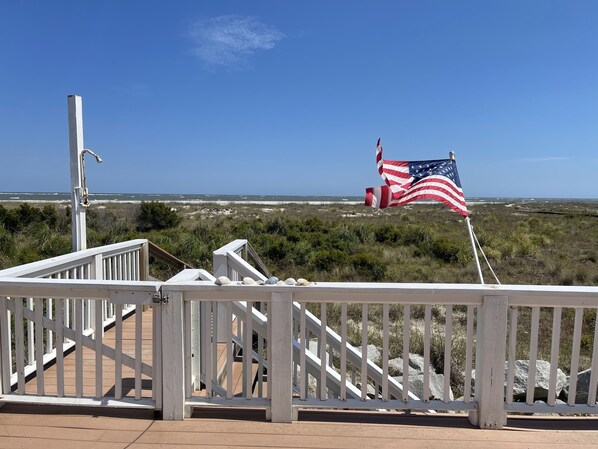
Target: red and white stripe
[[394, 173]]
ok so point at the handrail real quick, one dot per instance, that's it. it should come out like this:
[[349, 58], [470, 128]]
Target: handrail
[[71, 260], [165, 256]]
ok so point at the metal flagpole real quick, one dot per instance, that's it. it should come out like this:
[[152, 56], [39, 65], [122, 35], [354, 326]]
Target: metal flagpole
[[470, 231]]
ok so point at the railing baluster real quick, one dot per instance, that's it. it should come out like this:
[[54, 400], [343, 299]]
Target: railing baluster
[[406, 332], [60, 347], [427, 338], [533, 356], [138, 349], [228, 307], [575, 355], [187, 305], [98, 335], [512, 354], [30, 336], [157, 355], [364, 351], [322, 354], [19, 345], [39, 346], [343, 389], [260, 361], [248, 351], [49, 333], [448, 343], [385, 338], [79, 348], [554, 354], [594, 375], [295, 364], [209, 339], [468, 352], [5, 345], [118, 351], [215, 308], [302, 340]]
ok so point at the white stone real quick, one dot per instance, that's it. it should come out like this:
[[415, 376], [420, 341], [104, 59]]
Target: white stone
[[222, 280], [290, 281], [248, 281], [302, 281]]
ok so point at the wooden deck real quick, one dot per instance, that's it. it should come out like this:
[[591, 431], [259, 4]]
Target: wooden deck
[[25, 426], [29, 426]]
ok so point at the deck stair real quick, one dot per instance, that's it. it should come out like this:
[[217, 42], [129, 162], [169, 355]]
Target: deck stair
[[241, 268]]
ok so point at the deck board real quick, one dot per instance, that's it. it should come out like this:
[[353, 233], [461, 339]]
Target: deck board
[[61, 427], [28, 426], [108, 366]]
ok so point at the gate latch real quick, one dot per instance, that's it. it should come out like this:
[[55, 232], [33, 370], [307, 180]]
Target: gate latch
[[159, 298]]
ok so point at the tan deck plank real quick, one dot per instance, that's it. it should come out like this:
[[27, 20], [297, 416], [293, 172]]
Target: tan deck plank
[[55, 428], [108, 365]]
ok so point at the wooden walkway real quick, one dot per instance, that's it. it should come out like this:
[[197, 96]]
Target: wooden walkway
[[24, 426], [29, 426]]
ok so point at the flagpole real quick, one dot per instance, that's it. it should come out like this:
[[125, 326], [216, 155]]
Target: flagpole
[[470, 232]]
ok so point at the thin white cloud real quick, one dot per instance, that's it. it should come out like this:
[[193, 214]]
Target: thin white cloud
[[229, 40], [544, 159]]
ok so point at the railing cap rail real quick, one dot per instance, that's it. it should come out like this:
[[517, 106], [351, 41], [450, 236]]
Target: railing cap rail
[[42, 266], [547, 295], [79, 288], [234, 246]]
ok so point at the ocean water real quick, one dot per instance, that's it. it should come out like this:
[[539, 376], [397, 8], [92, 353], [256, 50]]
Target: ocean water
[[59, 197], [63, 197]]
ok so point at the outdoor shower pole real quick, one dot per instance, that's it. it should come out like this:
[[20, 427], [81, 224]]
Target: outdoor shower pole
[[78, 217]]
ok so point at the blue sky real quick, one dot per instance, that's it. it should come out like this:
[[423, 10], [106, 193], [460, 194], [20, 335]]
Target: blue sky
[[281, 97]]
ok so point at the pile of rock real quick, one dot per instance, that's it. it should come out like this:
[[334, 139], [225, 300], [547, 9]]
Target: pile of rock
[[224, 280], [542, 384]]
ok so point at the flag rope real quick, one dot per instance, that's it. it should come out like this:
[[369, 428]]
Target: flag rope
[[485, 258]]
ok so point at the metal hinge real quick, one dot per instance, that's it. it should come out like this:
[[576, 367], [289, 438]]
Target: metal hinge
[[159, 298]]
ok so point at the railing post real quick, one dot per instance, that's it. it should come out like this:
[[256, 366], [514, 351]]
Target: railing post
[[173, 373], [5, 330], [144, 262], [221, 269], [280, 351], [490, 364]]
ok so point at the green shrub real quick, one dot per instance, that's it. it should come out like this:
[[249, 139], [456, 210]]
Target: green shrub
[[327, 259], [369, 267], [156, 215]]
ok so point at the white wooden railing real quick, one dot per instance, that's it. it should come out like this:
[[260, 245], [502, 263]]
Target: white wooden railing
[[51, 307], [490, 305], [202, 334]]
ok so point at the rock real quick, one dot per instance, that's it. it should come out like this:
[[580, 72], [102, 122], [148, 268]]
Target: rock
[[542, 380], [280, 283], [222, 280], [248, 281], [302, 281], [272, 280], [373, 353], [416, 386], [416, 361], [290, 281], [395, 368], [582, 389]]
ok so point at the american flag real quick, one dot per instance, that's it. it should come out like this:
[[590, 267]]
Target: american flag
[[416, 180]]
